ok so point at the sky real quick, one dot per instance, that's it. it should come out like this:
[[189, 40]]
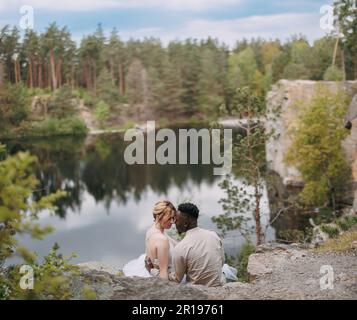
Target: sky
[[226, 20]]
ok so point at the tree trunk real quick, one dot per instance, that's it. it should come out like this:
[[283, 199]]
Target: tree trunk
[[30, 72], [40, 84], [87, 76], [1, 73], [335, 52], [258, 227], [111, 66], [15, 71], [58, 72], [72, 76], [343, 63], [53, 70], [35, 66], [121, 79], [94, 76]]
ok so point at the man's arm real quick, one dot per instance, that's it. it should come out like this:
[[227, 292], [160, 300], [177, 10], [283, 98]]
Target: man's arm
[[179, 265], [221, 247]]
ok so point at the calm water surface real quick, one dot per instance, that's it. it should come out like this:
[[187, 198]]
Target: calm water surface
[[109, 203]]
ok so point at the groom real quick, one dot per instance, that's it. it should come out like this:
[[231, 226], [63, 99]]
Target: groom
[[199, 255]]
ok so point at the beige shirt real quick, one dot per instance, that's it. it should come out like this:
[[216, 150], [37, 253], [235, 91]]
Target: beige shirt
[[200, 256]]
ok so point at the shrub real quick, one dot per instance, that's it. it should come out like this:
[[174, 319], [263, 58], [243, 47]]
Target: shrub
[[14, 101], [346, 223], [102, 112], [333, 74], [52, 279], [316, 148], [291, 235], [19, 214], [241, 261], [62, 105], [64, 126], [247, 249], [330, 230], [88, 99]]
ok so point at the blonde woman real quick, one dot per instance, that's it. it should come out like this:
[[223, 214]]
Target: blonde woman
[[158, 245]]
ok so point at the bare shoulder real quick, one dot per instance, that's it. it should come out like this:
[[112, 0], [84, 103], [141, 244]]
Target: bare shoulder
[[159, 238]]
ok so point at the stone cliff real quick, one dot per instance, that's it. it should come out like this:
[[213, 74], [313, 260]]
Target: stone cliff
[[288, 96]]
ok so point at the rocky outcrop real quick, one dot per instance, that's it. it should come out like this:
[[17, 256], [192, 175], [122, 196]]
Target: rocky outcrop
[[350, 144], [286, 98], [39, 107], [268, 258], [276, 271]]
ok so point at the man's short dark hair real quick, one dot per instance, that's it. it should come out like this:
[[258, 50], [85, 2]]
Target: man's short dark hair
[[189, 209]]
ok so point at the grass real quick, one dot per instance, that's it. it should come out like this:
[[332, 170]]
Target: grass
[[340, 243]]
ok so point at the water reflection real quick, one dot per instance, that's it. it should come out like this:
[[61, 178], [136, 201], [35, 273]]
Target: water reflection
[[109, 203]]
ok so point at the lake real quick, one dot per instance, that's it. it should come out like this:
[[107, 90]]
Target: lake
[[109, 204]]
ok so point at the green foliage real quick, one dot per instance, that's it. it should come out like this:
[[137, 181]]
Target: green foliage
[[62, 105], [316, 149], [243, 66], [88, 99], [246, 250], [295, 235], [186, 78], [57, 127], [333, 74], [347, 222], [89, 294], [52, 279], [128, 125], [346, 13], [101, 112], [330, 230], [14, 100], [296, 71], [241, 261], [38, 91], [19, 212], [106, 91], [249, 165]]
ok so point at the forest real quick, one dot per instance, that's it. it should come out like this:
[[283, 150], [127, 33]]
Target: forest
[[145, 78]]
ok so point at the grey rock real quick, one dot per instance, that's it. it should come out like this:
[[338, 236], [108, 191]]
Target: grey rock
[[289, 96]]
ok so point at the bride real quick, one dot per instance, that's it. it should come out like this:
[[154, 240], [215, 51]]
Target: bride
[[158, 245], [158, 248]]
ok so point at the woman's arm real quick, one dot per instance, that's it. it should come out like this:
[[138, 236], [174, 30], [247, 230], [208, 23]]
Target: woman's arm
[[163, 256]]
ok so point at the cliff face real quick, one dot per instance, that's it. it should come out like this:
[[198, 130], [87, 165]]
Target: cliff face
[[289, 96]]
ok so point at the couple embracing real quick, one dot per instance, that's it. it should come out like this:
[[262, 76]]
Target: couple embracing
[[198, 258]]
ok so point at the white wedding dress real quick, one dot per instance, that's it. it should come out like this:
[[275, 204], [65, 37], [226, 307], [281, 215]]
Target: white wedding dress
[[136, 267]]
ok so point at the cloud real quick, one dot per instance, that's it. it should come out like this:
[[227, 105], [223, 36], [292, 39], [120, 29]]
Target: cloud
[[280, 26], [90, 5]]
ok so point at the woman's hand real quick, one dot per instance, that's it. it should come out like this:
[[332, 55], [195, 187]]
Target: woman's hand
[[148, 264]]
